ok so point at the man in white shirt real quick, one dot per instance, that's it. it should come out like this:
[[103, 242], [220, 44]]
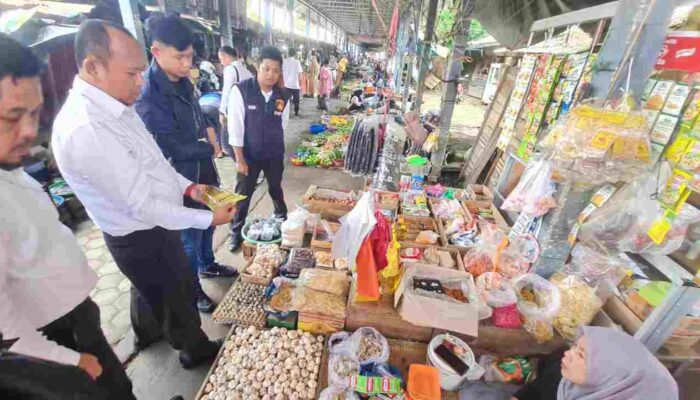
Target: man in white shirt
[[45, 279], [235, 71], [292, 72], [130, 191]]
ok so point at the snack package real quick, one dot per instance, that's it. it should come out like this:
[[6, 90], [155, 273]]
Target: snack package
[[342, 366], [483, 257], [534, 192], [318, 302], [427, 237], [333, 282], [538, 302], [600, 270], [215, 197], [594, 144], [331, 393], [579, 304]]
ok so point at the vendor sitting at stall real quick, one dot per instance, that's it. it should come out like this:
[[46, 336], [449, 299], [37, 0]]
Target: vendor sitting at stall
[[603, 364], [356, 101]]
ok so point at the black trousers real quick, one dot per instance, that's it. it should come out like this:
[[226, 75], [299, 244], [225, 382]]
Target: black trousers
[[295, 99], [28, 378], [163, 287], [323, 102], [246, 184], [80, 330]]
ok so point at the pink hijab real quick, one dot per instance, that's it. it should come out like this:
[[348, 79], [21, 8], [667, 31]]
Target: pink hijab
[[619, 367]]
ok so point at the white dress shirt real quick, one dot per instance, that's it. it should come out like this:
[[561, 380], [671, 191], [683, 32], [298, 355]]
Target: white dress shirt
[[236, 116], [233, 73], [115, 167], [291, 68], [43, 272]]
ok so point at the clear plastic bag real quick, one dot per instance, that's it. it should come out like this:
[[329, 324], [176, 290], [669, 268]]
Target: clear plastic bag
[[341, 367], [335, 394], [427, 237], [318, 302], [369, 346], [579, 304], [483, 257], [538, 302], [333, 282], [534, 192], [600, 270]]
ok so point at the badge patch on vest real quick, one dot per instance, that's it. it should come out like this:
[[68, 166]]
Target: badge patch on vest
[[279, 105], [252, 107]]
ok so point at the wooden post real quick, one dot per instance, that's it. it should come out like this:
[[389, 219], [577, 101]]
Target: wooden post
[[424, 58]]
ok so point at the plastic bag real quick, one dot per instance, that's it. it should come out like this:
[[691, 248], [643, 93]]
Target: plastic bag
[[331, 393], [507, 317], [318, 302], [579, 304], [445, 208], [538, 301], [342, 366], [293, 231], [333, 282], [483, 257], [339, 342], [369, 346], [534, 192], [427, 237], [354, 228], [601, 271], [516, 259]]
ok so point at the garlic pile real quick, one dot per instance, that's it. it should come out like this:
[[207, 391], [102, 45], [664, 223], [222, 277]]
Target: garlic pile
[[265, 365], [242, 304]]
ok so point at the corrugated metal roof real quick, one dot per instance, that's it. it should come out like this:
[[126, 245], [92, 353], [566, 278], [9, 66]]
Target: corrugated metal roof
[[357, 17]]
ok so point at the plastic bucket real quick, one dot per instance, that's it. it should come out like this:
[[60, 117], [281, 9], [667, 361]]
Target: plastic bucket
[[449, 380]]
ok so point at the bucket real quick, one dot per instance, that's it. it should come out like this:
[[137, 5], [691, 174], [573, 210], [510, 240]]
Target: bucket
[[449, 379]]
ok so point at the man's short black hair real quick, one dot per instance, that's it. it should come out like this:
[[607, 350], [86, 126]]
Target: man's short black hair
[[230, 51], [17, 61], [271, 53], [169, 30], [92, 38]]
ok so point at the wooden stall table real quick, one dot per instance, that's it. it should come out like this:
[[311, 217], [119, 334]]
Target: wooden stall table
[[382, 316]]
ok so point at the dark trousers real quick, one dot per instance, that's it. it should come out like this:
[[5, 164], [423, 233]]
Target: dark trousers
[[28, 378], [246, 185], [323, 102], [211, 115], [163, 288], [80, 330], [199, 247], [295, 99]]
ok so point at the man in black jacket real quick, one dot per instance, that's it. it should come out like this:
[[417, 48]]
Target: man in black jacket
[[172, 114]]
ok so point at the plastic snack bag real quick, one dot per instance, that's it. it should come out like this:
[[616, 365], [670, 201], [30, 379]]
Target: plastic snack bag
[[369, 346], [538, 302], [483, 257], [215, 197], [600, 270], [534, 192], [579, 304]]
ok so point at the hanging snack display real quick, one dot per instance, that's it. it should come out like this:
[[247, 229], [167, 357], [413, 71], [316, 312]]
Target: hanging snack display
[[596, 145], [242, 305], [274, 363], [388, 171]]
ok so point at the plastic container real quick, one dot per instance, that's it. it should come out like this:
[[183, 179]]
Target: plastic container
[[317, 128], [423, 382], [449, 379]]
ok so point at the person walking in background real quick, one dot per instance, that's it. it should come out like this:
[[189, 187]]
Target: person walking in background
[[292, 74], [258, 114], [314, 69], [45, 279], [235, 71], [114, 166], [210, 102], [325, 85], [171, 112]]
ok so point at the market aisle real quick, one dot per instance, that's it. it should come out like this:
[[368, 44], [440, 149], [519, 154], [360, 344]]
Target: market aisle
[[156, 372]]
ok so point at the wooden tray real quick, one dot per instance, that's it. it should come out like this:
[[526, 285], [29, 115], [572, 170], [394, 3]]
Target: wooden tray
[[225, 311]]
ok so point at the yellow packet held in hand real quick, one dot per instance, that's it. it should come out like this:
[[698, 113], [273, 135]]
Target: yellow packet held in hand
[[215, 197]]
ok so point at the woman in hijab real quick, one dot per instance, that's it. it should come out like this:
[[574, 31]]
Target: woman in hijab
[[603, 364]]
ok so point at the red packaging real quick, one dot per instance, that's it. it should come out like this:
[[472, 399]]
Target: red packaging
[[507, 317]]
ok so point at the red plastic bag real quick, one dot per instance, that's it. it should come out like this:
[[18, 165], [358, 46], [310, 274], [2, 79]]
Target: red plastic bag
[[507, 317], [367, 277], [380, 237]]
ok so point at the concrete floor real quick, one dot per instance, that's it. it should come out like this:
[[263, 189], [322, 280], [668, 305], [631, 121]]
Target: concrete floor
[[155, 372]]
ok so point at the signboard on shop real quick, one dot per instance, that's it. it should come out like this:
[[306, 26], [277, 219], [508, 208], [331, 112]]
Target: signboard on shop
[[681, 52]]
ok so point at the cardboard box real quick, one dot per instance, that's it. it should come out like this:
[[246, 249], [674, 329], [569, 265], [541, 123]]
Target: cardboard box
[[382, 316], [443, 237], [480, 194], [416, 224], [497, 216], [313, 190], [688, 325], [249, 250], [246, 277], [433, 201], [640, 307], [456, 255], [317, 243], [433, 312]]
